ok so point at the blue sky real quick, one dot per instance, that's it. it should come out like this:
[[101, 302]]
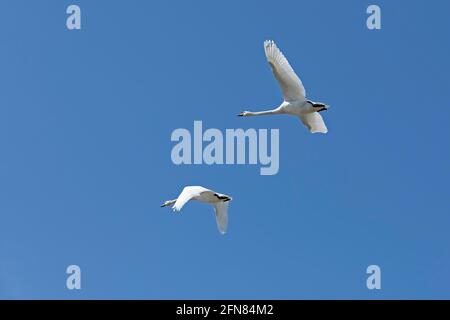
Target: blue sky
[[85, 124]]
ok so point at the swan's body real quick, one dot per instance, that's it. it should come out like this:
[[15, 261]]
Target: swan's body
[[218, 200], [294, 94]]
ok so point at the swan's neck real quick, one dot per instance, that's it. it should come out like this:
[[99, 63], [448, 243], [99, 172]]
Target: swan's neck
[[263, 113]]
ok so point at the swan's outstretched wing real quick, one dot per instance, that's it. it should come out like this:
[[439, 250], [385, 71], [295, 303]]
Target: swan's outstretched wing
[[314, 122], [221, 210], [290, 83], [187, 194]]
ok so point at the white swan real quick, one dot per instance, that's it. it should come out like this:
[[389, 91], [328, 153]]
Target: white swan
[[218, 200], [293, 91]]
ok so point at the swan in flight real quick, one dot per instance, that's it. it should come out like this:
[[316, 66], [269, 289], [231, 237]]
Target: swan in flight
[[218, 200], [295, 102]]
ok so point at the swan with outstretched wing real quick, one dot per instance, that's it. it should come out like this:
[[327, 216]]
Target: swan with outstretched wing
[[219, 201], [294, 94]]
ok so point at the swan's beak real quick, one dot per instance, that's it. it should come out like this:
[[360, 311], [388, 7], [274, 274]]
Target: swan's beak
[[240, 114]]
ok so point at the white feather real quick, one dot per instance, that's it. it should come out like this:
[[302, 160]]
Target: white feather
[[314, 122], [221, 210], [290, 83]]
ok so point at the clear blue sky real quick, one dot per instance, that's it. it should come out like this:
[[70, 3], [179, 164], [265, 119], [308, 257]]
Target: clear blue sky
[[85, 124]]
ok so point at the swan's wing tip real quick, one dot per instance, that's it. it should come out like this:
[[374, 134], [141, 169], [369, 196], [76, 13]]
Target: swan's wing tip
[[314, 122], [325, 131], [221, 212]]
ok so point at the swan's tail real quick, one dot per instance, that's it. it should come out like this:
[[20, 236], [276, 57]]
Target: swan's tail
[[319, 107], [223, 197]]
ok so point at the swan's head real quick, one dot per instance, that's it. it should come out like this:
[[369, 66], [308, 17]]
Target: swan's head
[[244, 114], [168, 203]]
